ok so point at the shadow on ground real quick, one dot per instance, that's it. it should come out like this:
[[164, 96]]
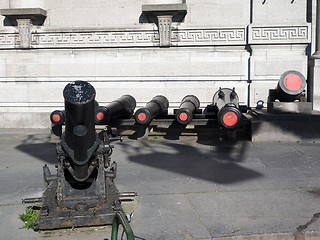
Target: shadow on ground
[[220, 164], [39, 147]]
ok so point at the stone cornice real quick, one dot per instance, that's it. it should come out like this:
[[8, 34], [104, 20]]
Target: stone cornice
[[125, 38], [42, 37]]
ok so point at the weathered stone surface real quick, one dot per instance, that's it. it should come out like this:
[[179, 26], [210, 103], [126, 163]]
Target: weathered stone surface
[[23, 11], [164, 7], [243, 44], [314, 84]]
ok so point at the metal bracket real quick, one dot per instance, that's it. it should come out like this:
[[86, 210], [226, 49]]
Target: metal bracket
[[120, 218]]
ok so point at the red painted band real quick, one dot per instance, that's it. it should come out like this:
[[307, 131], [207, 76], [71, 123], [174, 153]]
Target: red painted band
[[230, 119], [142, 117], [56, 117], [292, 82], [100, 116], [183, 116]]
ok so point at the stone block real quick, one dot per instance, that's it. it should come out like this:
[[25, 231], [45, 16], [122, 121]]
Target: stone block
[[163, 1], [26, 120], [279, 11], [218, 65], [259, 92], [268, 63], [290, 107], [284, 127], [1, 120], [27, 4], [13, 92], [314, 83], [218, 13]]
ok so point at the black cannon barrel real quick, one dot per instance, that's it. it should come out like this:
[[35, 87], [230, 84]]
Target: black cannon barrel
[[188, 106], [290, 86], [57, 117], [123, 106], [152, 109], [229, 117], [226, 101], [79, 110], [80, 135]]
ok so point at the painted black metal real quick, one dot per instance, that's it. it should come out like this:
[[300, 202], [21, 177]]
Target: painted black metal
[[286, 95], [59, 113], [123, 106], [153, 109], [79, 140], [188, 106], [227, 109], [226, 101], [79, 110], [82, 193]]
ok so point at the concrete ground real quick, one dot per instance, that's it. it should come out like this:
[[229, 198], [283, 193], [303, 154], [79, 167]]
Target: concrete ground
[[187, 189]]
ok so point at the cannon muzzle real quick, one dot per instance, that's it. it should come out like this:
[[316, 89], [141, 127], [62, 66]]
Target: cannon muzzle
[[226, 102], [188, 106], [290, 86], [154, 108], [57, 117], [123, 106]]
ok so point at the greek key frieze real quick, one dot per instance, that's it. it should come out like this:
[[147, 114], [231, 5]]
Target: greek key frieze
[[213, 36], [93, 39], [8, 39], [145, 38], [280, 34]]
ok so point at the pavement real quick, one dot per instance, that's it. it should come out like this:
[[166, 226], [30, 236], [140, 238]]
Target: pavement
[[187, 188]]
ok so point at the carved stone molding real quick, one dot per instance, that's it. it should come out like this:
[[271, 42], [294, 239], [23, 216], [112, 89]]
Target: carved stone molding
[[218, 36], [126, 38], [164, 25], [37, 15], [164, 15], [279, 34], [24, 27]]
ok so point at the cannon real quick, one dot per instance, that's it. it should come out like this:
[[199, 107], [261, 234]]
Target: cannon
[[291, 87], [289, 95], [226, 104], [82, 193], [153, 109], [188, 106], [57, 117], [123, 106]]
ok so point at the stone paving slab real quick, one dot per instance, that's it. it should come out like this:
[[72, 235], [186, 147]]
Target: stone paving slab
[[186, 189]]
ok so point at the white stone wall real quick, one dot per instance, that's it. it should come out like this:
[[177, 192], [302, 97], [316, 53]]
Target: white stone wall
[[113, 14], [227, 43]]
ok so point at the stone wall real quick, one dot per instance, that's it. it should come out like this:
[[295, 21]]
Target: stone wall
[[244, 44]]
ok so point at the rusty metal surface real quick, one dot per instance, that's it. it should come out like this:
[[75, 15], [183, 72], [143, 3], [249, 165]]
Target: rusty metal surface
[[53, 216]]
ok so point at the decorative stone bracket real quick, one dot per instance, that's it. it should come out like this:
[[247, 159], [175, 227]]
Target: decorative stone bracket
[[163, 15], [25, 18], [24, 28]]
